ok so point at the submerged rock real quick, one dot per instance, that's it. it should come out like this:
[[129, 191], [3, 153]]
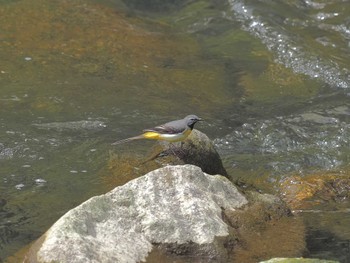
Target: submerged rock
[[174, 206], [310, 191], [266, 229]]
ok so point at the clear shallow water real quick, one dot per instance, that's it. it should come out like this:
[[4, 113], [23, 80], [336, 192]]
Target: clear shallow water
[[76, 81]]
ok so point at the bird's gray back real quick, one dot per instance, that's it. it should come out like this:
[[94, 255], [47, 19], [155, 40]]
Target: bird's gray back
[[171, 127]]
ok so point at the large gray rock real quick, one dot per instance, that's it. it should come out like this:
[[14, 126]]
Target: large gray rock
[[172, 205]]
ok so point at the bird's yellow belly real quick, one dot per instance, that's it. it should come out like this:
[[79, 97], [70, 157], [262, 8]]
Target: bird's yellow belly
[[167, 137], [151, 135]]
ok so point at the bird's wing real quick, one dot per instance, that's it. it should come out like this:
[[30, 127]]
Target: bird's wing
[[172, 127]]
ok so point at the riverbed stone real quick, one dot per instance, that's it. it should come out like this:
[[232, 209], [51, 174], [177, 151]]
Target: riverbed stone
[[309, 191], [197, 149], [266, 228], [176, 208]]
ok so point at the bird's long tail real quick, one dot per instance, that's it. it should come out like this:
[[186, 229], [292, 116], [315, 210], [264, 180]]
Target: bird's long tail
[[128, 139]]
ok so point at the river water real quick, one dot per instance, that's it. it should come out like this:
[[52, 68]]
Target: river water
[[271, 79]]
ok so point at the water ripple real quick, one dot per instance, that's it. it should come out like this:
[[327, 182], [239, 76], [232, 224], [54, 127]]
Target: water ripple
[[291, 48], [309, 140]]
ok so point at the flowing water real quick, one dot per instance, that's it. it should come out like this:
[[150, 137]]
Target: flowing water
[[271, 79]]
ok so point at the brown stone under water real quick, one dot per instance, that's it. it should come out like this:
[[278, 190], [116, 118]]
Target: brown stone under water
[[312, 190], [267, 229]]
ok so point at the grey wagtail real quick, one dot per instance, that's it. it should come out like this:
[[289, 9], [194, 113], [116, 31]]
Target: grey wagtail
[[173, 131]]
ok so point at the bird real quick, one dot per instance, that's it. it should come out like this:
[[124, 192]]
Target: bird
[[173, 131]]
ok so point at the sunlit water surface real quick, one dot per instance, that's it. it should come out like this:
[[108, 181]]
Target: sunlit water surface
[[61, 108]]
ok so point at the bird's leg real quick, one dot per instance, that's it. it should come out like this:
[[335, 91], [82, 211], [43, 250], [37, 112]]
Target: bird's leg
[[171, 148], [152, 157], [179, 152]]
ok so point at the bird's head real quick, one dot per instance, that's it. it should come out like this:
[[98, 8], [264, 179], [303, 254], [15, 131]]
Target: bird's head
[[191, 120]]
